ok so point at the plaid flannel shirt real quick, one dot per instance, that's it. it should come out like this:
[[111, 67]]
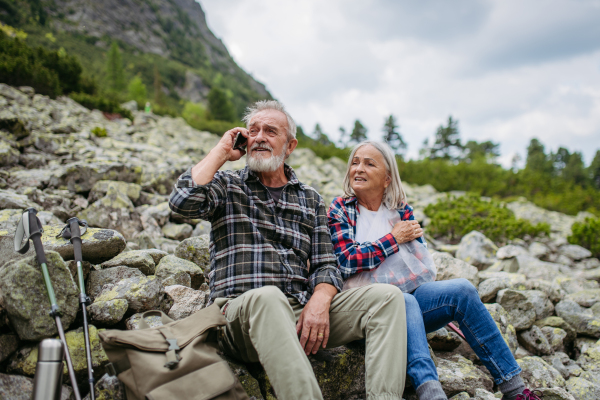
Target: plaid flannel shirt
[[354, 257], [255, 242]]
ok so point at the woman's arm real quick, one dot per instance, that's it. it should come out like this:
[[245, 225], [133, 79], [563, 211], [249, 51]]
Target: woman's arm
[[354, 257]]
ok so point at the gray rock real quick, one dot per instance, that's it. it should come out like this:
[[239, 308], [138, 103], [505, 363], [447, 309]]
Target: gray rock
[[538, 250], [461, 396], [482, 394], [108, 388], [563, 364], [167, 245], [177, 231], [443, 340], [108, 312], [556, 393], [160, 212], [110, 276], [13, 94], [517, 305], [170, 266], [15, 387], [510, 251], [588, 263], [81, 176], [558, 322], [449, 267], [537, 373], [536, 269], [476, 249], [100, 189], [581, 319], [130, 105], [562, 259], [133, 323], [458, 374], [573, 285], [8, 345], [502, 320], [26, 299], [583, 389], [534, 341], [142, 293], [204, 227], [186, 301], [139, 259], [581, 346], [490, 287], [196, 250], [585, 298], [9, 199], [542, 305], [574, 252]]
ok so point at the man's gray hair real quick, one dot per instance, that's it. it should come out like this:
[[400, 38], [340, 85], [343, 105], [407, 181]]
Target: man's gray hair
[[271, 105], [394, 196]]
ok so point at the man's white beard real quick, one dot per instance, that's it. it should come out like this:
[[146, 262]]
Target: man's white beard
[[261, 164]]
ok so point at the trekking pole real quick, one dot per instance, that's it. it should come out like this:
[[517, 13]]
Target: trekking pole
[[72, 232], [30, 227]]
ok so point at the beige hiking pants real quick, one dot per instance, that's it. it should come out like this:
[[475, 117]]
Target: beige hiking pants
[[261, 326]]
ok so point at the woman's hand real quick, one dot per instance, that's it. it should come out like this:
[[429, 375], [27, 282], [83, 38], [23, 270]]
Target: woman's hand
[[405, 231]]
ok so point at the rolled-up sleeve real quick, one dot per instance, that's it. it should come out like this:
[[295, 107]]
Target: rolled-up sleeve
[[198, 201], [322, 260]]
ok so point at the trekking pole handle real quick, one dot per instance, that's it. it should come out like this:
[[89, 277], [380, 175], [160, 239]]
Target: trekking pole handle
[[75, 237], [36, 235]]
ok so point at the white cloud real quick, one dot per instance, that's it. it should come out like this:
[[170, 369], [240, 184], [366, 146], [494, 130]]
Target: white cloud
[[507, 70]]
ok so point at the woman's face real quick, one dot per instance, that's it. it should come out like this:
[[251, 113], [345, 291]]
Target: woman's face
[[368, 175]]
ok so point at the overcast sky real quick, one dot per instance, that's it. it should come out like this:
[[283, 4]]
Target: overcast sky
[[508, 70]]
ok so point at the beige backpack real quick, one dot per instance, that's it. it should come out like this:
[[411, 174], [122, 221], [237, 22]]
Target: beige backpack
[[175, 361]]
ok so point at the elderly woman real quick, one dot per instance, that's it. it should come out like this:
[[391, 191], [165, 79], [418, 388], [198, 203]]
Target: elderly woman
[[372, 182]]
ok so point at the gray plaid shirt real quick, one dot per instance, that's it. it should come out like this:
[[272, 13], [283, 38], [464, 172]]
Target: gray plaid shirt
[[255, 242]]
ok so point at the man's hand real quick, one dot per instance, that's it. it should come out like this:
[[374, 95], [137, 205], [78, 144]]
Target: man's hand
[[313, 324], [205, 170], [405, 231]]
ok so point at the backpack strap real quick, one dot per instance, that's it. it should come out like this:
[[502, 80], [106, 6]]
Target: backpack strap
[[172, 353]]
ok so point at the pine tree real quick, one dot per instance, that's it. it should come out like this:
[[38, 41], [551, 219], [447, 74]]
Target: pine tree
[[594, 170], [137, 90], [359, 132], [114, 69], [447, 142], [343, 141], [391, 135], [537, 160], [320, 136], [219, 106]]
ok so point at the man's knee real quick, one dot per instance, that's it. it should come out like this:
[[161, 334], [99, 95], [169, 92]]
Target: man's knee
[[383, 294]]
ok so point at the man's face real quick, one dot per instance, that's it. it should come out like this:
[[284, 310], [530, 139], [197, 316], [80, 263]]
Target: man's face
[[267, 142]]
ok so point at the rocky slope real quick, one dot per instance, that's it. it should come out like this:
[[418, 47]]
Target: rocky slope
[[65, 160]]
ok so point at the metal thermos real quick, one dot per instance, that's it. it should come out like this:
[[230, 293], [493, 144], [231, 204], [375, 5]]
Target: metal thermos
[[47, 384]]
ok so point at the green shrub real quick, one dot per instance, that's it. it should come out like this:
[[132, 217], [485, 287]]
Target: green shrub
[[99, 132], [452, 218], [587, 234], [101, 103]]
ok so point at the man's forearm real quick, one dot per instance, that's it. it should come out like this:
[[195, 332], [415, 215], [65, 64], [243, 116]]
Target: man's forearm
[[326, 290], [205, 170]]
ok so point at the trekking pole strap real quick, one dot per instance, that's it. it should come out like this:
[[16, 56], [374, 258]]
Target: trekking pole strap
[[28, 226]]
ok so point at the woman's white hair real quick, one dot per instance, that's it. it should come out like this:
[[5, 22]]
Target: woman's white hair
[[271, 105], [394, 196]]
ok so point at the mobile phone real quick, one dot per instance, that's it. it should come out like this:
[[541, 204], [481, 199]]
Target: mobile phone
[[240, 142]]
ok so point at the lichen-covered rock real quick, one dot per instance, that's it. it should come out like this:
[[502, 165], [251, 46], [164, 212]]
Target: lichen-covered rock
[[574, 251], [541, 304], [109, 276], [97, 245], [133, 323], [108, 312], [537, 373], [248, 382], [510, 251], [535, 341], [15, 387], [204, 227], [170, 266], [132, 190], [108, 388], [186, 301], [177, 231], [502, 320], [556, 393], [538, 250], [81, 176], [86, 267], [517, 305], [536, 269], [26, 299], [449, 267], [139, 259], [461, 396], [572, 285], [195, 249], [113, 211], [476, 249], [581, 319], [554, 293], [582, 389], [482, 394], [443, 340], [558, 322], [8, 345], [340, 371], [585, 298], [489, 288], [10, 199], [458, 374], [142, 293]]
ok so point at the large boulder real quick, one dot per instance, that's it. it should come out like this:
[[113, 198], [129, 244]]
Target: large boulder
[[536, 269], [108, 312], [537, 373], [100, 189], [177, 231], [26, 298], [10, 199], [517, 305], [541, 304], [139, 259], [142, 293], [535, 341], [489, 288], [16, 387], [196, 250], [574, 252], [81, 176], [108, 276], [173, 270], [458, 374], [186, 301], [581, 319], [585, 298], [582, 389], [449, 267], [476, 249]]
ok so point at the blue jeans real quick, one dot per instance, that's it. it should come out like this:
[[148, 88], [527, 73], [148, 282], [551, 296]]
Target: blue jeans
[[432, 306]]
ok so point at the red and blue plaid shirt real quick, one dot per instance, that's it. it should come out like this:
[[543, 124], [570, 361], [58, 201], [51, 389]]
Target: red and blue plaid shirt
[[354, 257]]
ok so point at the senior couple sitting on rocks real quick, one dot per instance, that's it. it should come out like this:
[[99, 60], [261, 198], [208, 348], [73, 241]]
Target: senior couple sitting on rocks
[[279, 261]]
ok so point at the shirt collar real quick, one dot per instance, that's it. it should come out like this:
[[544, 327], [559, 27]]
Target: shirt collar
[[289, 173]]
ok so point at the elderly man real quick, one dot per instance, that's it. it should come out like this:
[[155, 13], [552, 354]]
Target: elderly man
[[272, 269]]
